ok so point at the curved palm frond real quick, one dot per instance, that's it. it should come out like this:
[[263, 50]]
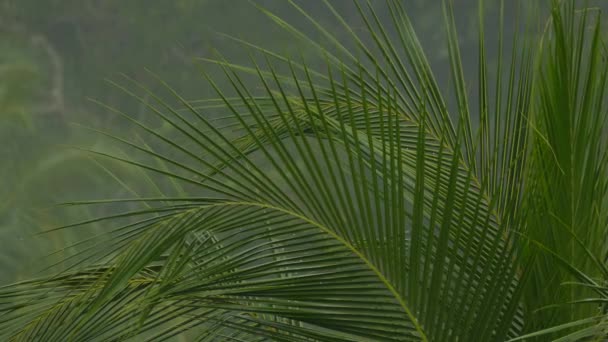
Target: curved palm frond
[[355, 203]]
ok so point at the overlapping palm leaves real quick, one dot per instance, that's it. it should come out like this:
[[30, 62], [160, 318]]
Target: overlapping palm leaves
[[356, 202]]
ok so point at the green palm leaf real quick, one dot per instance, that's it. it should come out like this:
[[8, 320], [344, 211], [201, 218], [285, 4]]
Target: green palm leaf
[[355, 203]]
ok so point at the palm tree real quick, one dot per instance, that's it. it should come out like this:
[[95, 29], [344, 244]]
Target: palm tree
[[359, 201]]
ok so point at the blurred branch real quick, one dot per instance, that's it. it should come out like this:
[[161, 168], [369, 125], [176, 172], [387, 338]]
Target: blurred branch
[[56, 103]]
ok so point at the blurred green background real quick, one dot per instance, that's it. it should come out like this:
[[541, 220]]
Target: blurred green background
[[55, 54]]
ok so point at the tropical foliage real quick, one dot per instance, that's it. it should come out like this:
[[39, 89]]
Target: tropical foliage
[[355, 201]]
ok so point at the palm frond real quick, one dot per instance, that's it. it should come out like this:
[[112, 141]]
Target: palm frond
[[354, 203]]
